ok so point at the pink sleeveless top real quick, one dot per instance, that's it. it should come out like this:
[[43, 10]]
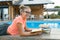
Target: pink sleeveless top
[[13, 28]]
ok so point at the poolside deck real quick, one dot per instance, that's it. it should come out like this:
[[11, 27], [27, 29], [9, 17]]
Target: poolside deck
[[54, 35]]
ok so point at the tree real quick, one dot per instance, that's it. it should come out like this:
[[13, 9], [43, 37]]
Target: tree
[[57, 7], [59, 10]]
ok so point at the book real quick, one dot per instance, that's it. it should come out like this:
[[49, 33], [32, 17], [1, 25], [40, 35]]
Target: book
[[37, 30], [43, 26]]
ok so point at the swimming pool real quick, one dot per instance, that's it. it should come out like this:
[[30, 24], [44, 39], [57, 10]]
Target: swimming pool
[[35, 24]]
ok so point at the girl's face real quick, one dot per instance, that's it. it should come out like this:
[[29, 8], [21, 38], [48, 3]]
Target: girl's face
[[26, 13]]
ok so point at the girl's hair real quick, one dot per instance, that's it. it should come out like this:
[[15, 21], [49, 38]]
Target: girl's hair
[[22, 8]]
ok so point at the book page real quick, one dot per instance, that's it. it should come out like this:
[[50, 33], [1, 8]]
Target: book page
[[36, 30]]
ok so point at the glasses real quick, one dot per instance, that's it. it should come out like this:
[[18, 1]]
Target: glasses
[[28, 12]]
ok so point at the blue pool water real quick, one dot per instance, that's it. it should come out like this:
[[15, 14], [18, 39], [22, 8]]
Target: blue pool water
[[35, 24]]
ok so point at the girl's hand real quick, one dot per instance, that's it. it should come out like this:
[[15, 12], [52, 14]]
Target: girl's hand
[[28, 30], [36, 33]]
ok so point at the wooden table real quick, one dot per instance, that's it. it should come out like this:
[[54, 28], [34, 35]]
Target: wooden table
[[54, 35]]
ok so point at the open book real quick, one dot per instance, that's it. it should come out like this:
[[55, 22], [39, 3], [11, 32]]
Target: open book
[[37, 30]]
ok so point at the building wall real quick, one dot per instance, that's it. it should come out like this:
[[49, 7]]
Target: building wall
[[11, 12], [37, 10], [14, 10], [10, 8]]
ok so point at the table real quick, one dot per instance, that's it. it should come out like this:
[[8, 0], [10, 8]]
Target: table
[[54, 35]]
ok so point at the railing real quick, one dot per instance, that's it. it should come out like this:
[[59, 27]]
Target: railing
[[17, 1], [5, 0], [35, 18]]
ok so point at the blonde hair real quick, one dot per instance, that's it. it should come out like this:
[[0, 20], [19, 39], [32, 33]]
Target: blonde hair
[[22, 8]]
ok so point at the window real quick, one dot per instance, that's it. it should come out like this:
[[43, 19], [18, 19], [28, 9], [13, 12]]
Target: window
[[3, 13]]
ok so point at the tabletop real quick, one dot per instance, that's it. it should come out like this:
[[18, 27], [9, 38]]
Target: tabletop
[[54, 34]]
